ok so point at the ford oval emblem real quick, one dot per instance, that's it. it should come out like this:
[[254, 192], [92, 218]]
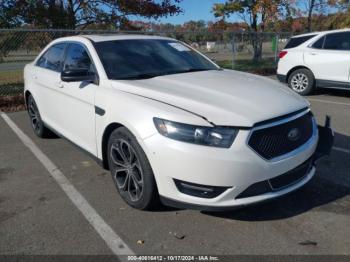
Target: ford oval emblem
[[293, 134]]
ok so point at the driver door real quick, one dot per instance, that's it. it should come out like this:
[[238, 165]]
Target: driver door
[[77, 115]]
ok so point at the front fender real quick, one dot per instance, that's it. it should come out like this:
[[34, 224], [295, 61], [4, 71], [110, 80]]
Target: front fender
[[136, 113]]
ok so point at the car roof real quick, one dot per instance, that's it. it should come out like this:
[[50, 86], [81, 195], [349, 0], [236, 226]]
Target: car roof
[[323, 32], [112, 37]]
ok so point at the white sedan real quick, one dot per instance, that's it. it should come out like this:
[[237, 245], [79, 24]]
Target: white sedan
[[170, 124]]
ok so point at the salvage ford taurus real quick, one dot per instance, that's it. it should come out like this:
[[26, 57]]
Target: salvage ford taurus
[[170, 124]]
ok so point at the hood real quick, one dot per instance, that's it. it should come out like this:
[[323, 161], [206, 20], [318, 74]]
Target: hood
[[223, 97]]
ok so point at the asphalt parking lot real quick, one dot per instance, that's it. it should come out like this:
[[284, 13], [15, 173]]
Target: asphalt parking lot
[[38, 217]]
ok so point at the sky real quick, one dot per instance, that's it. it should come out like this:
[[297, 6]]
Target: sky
[[193, 10]]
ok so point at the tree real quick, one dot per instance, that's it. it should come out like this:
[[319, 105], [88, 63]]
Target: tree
[[194, 25], [320, 14], [256, 13], [343, 6], [341, 19], [309, 7], [82, 13], [7, 17], [42, 13]]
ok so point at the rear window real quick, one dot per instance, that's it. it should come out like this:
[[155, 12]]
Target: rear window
[[297, 41]]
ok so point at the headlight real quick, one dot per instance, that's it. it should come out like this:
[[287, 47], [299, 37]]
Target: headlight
[[201, 135]]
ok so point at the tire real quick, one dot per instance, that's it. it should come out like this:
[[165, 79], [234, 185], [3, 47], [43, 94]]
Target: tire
[[131, 171], [302, 81], [35, 119]]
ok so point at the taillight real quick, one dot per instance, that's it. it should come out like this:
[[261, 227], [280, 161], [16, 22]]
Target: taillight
[[282, 54]]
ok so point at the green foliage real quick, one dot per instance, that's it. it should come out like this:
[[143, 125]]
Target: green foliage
[[256, 13], [8, 18], [74, 14]]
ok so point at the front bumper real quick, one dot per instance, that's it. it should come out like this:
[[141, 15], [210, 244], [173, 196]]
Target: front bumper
[[236, 169]]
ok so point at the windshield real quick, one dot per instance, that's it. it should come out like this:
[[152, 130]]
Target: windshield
[[146, 58]]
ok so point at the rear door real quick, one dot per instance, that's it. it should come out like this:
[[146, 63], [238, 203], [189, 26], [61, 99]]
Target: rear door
[[46, 76], [329, 57], [77, 99]]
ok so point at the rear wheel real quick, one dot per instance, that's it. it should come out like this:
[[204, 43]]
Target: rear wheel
[[131, 171], [302, 81], [35, 119]]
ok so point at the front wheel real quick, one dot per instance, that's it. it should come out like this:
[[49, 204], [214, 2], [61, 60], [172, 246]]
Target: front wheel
[[131, 171], [35, 119], [302, 81]]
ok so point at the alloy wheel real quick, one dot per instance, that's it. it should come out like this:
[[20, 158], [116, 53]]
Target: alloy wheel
[[299, 82], [127, 171], [34, 115]]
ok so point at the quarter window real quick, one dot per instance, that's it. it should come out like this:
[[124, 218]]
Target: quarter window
[[52, 59], [319, 43], [77, 58], [337, 41]]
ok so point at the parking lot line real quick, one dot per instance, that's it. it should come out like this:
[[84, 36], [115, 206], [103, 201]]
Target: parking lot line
[[114, 242], [341, 149], [328, 102]]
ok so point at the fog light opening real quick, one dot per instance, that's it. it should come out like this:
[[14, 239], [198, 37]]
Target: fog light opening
[[198, 190]]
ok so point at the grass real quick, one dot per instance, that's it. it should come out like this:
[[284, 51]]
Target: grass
[[11, 91], [11, 77], [263, 67], [11, 82]]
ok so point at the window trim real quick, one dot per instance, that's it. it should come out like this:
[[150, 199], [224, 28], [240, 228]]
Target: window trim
[[311, 44], [87, 51], [47, 50]]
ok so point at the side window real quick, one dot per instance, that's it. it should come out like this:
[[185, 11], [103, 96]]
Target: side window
[[53, 58], [337, 41], [319, 43], [77, 58]]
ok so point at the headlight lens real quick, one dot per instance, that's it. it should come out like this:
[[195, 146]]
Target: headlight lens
[[201, 135]]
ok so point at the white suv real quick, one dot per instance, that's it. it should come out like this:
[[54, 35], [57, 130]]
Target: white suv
[[320, 59], [170, 124]]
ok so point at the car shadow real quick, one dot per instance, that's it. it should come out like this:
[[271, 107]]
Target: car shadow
[[326, 192], [162, 208], [332, 92]]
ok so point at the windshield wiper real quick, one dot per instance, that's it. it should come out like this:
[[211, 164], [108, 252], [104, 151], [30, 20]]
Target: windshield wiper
[[151, 75], [194, 70], [190, 70], [139, 76]]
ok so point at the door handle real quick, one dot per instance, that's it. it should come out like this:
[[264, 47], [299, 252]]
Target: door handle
[[313, 54], [34, 77]]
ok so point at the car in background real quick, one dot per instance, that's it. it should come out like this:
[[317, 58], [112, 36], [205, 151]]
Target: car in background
[[315, 60]]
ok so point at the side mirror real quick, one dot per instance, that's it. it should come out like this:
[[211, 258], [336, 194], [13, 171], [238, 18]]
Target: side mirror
[[77, 75]]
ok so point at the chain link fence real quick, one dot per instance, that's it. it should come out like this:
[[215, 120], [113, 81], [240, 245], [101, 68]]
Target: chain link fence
[[233, 50]]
